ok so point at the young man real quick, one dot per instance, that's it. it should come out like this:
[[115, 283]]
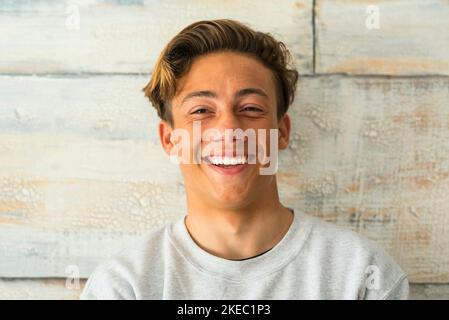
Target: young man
[[237, 240]]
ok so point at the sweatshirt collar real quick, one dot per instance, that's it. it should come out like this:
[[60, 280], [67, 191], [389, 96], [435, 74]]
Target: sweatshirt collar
[[242, 270]]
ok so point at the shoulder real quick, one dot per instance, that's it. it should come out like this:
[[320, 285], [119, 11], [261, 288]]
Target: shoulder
[[334, 238], [357, 259], [119, 276]]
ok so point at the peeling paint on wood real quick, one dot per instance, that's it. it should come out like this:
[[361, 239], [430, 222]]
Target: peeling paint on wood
[[370, 154], [82, 173], [429, 292], [412, 38], [126, 37], [39, 289], [72, 192]]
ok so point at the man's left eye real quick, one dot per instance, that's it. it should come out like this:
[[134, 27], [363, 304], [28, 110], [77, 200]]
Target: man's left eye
[[252, 108]]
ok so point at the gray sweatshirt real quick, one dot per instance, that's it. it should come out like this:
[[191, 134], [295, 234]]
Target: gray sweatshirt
[[314, 260]]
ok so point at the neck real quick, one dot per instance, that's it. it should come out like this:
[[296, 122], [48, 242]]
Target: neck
[[239, 232]]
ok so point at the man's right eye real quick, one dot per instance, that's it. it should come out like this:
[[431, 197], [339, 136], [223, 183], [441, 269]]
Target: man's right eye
[[199, 111]]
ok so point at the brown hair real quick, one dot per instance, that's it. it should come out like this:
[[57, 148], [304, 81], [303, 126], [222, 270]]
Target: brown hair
[[209, 36]]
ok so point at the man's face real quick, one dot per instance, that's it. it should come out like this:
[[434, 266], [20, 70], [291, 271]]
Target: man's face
[[223, 76]]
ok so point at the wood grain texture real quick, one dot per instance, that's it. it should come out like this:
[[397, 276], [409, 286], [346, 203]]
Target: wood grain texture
[[39, 289], [412, 38], [429, 292], [372, 154], [127, 36], [82, 173]]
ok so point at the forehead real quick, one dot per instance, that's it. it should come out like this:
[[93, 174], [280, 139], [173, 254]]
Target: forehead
[[225, 72]]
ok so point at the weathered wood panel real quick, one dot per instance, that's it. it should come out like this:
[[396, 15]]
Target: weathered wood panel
[[372, 154], [429, 292], [392, 37], [40, 289], [82, 172], [127, 36]]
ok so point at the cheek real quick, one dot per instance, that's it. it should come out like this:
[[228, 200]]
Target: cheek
[[267, 142], [191, 173], [186, 147]]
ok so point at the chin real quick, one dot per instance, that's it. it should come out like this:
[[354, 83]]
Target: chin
[[232, 198]]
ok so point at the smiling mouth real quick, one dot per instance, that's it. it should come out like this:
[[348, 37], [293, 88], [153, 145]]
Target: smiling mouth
[[227, 162]]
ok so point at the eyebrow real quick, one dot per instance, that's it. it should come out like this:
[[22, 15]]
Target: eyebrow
[[211, 94]]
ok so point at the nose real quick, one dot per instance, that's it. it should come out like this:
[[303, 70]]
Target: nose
[[227, 120]]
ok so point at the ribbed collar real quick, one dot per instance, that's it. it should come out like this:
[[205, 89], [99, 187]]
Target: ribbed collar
[[233, 270]]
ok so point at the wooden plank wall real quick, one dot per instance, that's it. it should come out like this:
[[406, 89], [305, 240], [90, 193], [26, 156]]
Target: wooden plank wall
[[82, 172]]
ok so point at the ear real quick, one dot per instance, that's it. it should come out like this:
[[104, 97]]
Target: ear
[[165, 132], [284, 126]]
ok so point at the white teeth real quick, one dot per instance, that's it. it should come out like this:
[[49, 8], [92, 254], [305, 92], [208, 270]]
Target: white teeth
[[217, 160]]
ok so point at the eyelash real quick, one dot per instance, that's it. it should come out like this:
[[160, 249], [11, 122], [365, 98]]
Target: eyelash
[[196, 111], [254, 107]]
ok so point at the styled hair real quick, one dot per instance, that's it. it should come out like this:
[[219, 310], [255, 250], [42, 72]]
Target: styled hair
[[208, 36]]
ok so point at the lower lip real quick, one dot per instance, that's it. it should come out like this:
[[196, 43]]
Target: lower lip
[[229, 171]]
